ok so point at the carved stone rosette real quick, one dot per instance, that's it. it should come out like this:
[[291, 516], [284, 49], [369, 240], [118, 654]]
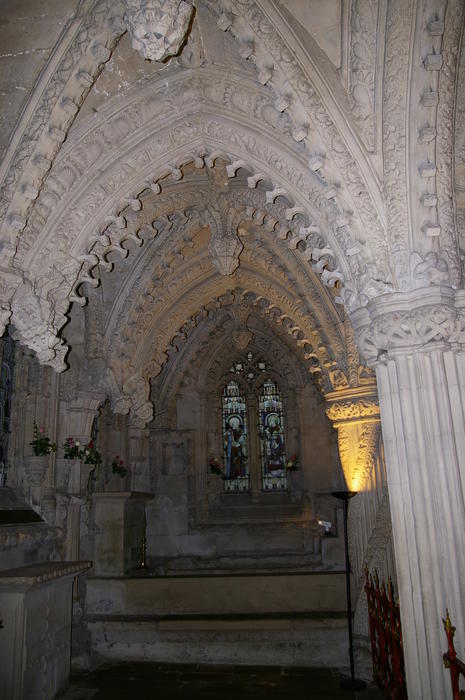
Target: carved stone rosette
[[355, 414]]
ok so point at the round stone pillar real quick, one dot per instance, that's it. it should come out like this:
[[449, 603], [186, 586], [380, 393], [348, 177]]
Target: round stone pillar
[[416, 342]]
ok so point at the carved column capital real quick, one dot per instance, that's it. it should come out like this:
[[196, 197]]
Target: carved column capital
[[355, 414], [358, 404], [399, 322]]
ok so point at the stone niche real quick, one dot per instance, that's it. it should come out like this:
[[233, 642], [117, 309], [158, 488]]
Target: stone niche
[[194, 524]]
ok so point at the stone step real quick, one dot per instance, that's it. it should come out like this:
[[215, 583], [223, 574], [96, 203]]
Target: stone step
[[293, 642], [284, 593], [287, 618]]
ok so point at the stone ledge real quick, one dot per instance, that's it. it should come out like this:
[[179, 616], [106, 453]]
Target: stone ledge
[[42, 572], [122, 495], [313, 616]]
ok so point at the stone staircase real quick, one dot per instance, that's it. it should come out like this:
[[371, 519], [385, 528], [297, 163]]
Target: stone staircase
[[238, 618]]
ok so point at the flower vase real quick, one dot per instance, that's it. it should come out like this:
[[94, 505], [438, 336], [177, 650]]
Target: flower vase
[[36, 469]]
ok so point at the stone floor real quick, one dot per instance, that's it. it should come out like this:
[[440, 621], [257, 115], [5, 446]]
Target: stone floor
[[171, 682]]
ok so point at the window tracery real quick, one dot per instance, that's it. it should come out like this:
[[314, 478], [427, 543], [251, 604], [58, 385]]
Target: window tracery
[[253, 428], [249, 367]]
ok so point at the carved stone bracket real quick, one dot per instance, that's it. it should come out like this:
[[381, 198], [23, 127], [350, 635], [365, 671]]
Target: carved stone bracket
[[355, 414], [157, 27], [134, 399], [34, 328]]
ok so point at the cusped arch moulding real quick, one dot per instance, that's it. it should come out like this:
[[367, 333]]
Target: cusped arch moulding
[[138, 114], [104, 241], [153, 282], [298, 86], [118, 223], [179, 311], [52, 286], [203, 363], [311, 353]]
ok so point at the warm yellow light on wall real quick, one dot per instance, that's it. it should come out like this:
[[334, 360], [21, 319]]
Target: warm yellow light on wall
[[357, 483]]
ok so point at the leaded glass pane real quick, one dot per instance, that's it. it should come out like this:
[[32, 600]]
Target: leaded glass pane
[[272, 440], [236, 456]]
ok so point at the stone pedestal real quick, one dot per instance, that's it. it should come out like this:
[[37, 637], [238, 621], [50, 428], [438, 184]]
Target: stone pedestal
[[120, 521], [35, 640]]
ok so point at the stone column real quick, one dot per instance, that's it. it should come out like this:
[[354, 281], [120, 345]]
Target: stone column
[[416, 342]]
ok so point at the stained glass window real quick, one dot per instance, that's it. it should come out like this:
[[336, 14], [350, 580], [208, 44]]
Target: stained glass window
[[235, 439], [272, 440]]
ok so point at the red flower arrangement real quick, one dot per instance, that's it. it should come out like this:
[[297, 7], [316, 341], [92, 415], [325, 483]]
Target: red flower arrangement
[[117, 466], [292, 463], [215, 467]]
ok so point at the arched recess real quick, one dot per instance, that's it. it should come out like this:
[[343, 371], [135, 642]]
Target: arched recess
[[186, 396], [94, 201], [164, 310], [162, 273]]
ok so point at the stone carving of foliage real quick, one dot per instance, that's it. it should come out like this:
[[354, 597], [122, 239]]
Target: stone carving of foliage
[[395, 89], [459, 157], [363, 21], [448, 85]]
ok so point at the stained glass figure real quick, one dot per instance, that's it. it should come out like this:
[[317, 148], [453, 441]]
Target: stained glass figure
[[272, 439], [236, 457]]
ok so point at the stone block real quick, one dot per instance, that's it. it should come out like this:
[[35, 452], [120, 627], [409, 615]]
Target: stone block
[[261, 593], [174, 457], [36, 609], [182, 545], [120, 521], [166, 518]]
